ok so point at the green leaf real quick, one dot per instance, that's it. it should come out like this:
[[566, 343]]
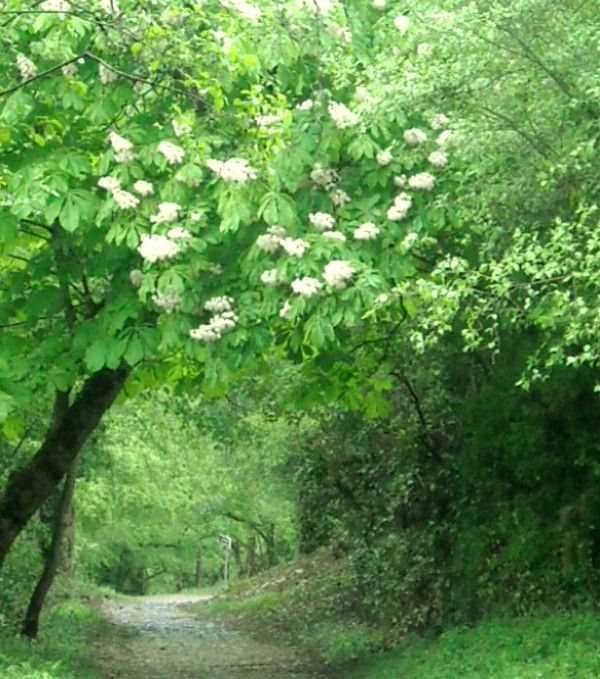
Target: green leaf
[[69, 215], [95, 355]]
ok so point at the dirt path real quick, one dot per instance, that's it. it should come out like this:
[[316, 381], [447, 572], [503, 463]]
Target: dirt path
[[158, 637]]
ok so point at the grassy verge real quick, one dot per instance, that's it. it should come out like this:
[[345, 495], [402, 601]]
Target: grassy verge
[[309, 604], [554, 645], [60, 652]]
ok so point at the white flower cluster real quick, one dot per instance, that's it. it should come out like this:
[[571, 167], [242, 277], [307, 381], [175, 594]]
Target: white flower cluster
[[155, 247], [366, 231], [342, 116], [179, 233], [173, 153], [232, 170], [402, 23], [122, 147], [267, 121], [400, 180], [415, 136], [305, 105], [295, 247], [422, 181], [224, 319], [286, 310], [327, 178], [269, 277], [438, 158], [124, 199], [439, 121], [445, 139], [337, 273], [106, 75], [322, 221], [109, 183], [181, 128], [55, 6], [271, 241], [400, 208], [143, 188], [217, 305], [169, 301], [334, 235], [215, 328], [307, 286], [245, 9], [384, 157], [136, 277], [69, 70], [339, 198], [26, 67], [167, 212]]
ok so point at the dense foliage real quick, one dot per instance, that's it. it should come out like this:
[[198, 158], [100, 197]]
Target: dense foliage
[[341, 283]]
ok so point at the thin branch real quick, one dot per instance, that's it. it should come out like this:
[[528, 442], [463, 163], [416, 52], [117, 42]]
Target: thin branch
[[39, 76]]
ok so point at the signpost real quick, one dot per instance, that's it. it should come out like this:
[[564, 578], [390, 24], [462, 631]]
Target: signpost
[[226, 544]]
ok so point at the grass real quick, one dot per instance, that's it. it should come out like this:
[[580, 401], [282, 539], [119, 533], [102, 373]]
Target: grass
[[545, 646], [60, 652], [308, 604]]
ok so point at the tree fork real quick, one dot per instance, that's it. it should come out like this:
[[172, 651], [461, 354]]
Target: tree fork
[[31, 485]]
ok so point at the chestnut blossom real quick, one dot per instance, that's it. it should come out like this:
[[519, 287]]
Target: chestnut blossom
[[414, 136], [445, 138], [109, 183], [286, 310], [400, 208], [327, 178], [337, 273], [232, 170], [55, 6], [339, 198], [214, 329], [322, 221], [307, 286], [400, 181], [219, 304], [179, 233], [167, 212], [439, 121], [269, 277], [69, 70], [136, 277], [342, 116], [124, 199], [26, 67], [334, 235], [173, 153], [156, 247], [305, 105], [294, 247], [143, 188], [422, 181], [379, 4], [402, 23], [169, 301], [438, 158], [119, 143], [181, 128], [106, 75], [245, 9], [384, 157], [110, 6], [366, 231]]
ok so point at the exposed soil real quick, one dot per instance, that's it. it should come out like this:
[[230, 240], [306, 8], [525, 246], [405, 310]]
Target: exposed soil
[[158, 637]]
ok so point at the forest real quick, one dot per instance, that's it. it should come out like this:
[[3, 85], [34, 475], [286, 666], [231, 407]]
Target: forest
[[299, 339]]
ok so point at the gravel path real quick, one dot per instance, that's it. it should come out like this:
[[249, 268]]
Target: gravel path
[[158, 637]]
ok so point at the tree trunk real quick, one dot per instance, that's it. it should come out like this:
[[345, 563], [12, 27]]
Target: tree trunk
[[199, 573], [52, 560], [31, 485]]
